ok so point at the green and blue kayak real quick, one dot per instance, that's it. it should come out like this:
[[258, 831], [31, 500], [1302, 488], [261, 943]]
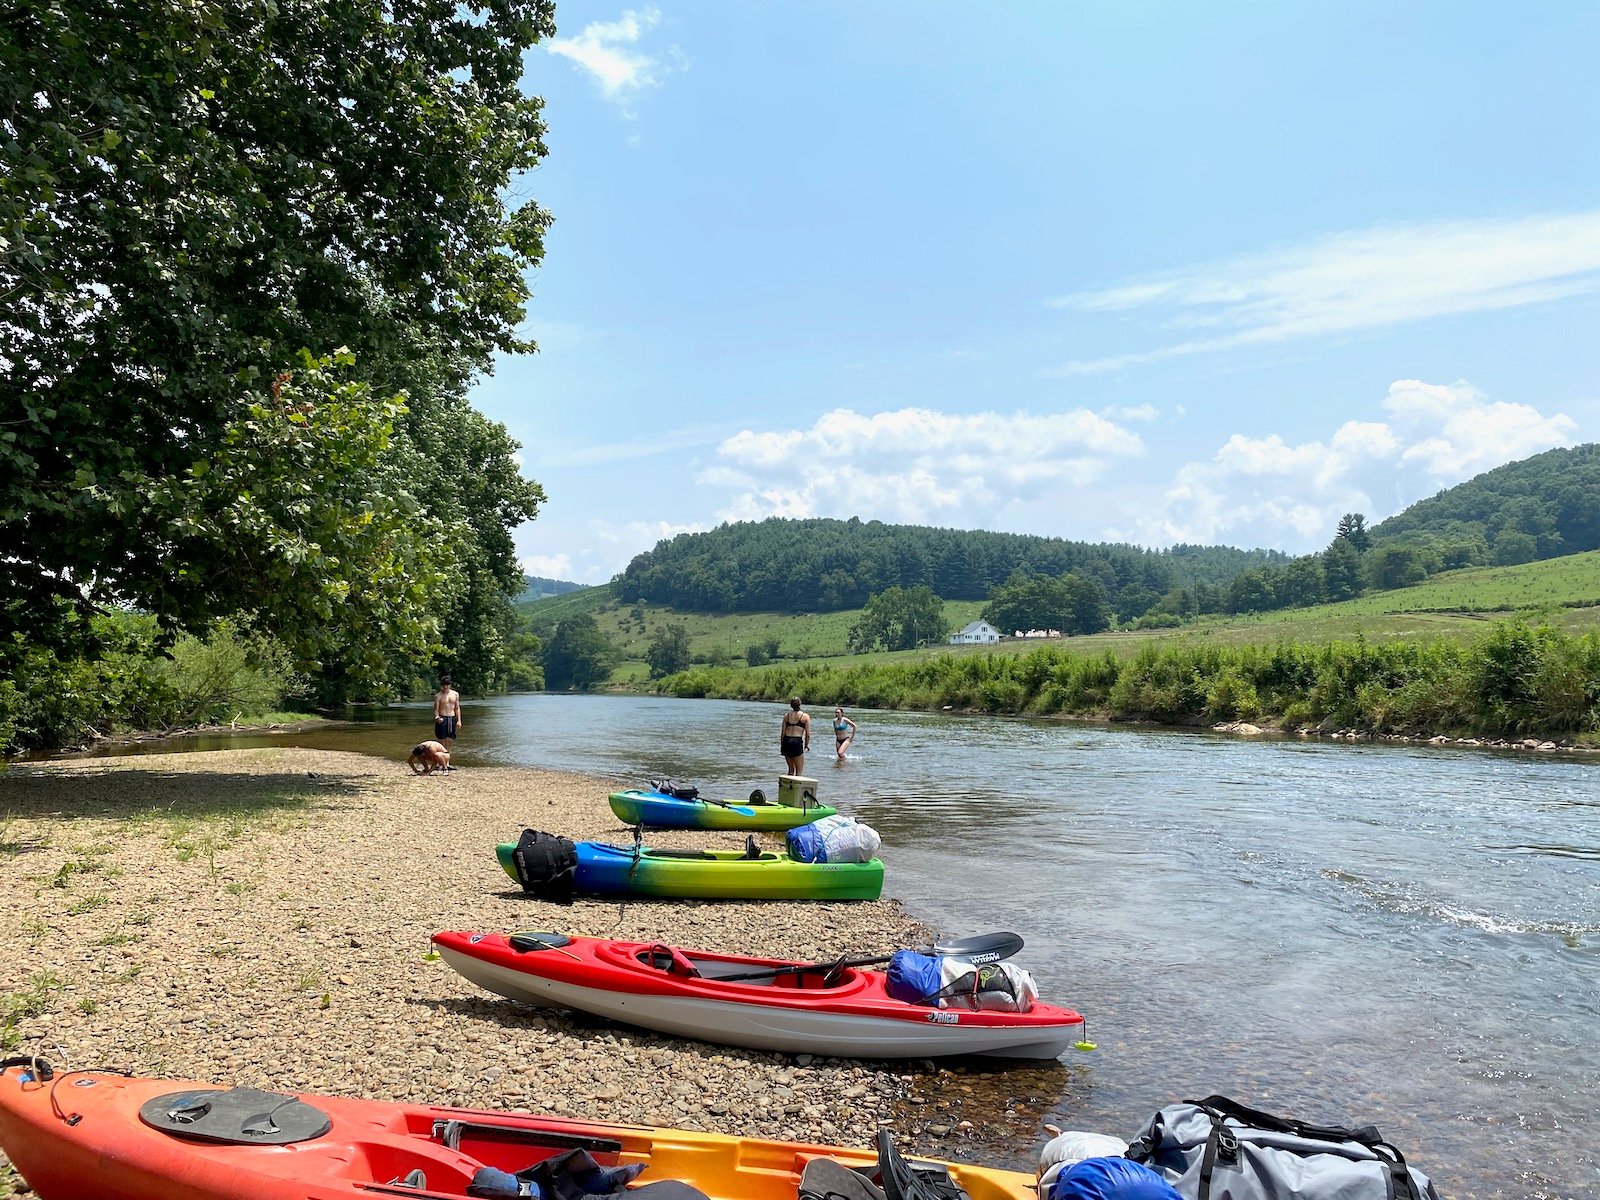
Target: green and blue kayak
[[657, 810], [600, 869]]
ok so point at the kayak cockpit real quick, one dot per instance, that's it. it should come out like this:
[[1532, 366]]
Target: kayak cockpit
[[750, 972]]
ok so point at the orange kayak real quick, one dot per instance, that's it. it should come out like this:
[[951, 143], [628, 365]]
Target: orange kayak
[[74, 1134]]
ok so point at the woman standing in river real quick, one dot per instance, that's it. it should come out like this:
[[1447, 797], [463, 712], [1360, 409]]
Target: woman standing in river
[[794, 737], [844, 732]]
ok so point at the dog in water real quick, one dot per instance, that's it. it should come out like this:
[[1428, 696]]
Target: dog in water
[[428, 757]]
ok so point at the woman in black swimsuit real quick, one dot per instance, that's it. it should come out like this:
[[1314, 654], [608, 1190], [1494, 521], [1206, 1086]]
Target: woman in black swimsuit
[[794, 737]]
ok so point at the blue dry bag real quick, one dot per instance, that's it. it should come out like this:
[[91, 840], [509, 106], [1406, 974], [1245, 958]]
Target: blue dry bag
[[913, 977], [806, 844], [1110, 1179]]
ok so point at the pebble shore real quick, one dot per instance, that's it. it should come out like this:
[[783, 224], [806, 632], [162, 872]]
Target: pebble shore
[[261, 917]]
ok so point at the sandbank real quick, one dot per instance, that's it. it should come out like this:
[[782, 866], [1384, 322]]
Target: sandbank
[[262, 917]]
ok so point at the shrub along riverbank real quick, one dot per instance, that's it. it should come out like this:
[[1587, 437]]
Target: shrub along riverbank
[[1513, 681], [50, 699]]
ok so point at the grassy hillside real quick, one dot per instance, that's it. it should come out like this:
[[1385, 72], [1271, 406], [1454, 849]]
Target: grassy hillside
[[1563, 591]]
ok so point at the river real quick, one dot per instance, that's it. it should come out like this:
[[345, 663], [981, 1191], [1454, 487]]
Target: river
[[1402, 935]]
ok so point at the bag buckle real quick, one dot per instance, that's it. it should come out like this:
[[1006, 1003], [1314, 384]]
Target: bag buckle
[[1227, 1145]]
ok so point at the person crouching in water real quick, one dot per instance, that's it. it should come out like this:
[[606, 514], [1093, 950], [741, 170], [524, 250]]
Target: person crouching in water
[[428, 757]]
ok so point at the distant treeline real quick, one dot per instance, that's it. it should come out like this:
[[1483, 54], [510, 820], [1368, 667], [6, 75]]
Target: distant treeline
[[1514, 681], [536, 587], [823, 565]]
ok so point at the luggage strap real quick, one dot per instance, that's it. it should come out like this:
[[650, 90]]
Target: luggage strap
[[1222, 1144]]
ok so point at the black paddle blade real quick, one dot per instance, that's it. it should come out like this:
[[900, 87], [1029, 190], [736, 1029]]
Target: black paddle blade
[[980, 948]]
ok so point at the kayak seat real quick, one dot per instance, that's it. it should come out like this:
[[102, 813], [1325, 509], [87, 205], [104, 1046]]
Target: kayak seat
[[669, 959], [751, 850], [828, 1179]]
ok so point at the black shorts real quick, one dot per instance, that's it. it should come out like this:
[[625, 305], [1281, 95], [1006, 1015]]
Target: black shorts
[[444, 727], [792, 747]]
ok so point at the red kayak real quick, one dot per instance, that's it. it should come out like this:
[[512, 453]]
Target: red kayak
[[824, 1009], [99, 1135]]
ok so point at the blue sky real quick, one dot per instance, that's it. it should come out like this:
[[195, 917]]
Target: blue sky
[[1154, 273]]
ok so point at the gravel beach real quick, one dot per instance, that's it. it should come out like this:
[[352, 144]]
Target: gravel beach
[[262, 917]]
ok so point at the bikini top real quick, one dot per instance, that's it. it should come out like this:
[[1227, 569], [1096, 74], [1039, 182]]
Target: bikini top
[[794, 720], [840, 724]]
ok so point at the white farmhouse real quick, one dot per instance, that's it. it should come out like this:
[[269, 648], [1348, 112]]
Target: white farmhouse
[[975, 634]]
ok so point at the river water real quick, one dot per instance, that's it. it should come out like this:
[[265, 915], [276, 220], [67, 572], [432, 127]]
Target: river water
[[1402, 935]]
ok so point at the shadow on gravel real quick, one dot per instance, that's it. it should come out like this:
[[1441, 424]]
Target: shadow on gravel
[[119, 795], [993, 1083]]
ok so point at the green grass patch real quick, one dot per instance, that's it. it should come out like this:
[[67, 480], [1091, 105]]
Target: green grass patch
[[88, 904], [31, 1000]]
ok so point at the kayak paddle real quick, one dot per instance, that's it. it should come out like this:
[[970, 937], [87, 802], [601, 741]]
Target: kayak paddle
[[978, 949]]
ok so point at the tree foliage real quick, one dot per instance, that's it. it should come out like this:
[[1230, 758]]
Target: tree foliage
[[1353, 529], [1552, 499], [191, 195], [899, 619], [1071, 603], [577, 655], [668, 651]]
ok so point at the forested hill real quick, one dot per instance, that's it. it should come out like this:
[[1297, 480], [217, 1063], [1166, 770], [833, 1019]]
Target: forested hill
[[1539, 507], [536, 587], [823, 565]]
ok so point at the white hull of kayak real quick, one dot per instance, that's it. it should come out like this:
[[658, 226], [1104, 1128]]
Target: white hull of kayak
[[775, 1027]]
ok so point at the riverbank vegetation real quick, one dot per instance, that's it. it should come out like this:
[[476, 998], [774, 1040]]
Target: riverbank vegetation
[[1563, 593], [1514, 680], [128, 684]]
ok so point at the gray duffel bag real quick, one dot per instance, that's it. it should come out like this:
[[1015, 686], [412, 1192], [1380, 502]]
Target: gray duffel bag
[[1217, 1149]]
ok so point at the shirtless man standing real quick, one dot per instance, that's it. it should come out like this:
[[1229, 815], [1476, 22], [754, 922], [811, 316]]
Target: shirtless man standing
[[447, 714], [794, 737]]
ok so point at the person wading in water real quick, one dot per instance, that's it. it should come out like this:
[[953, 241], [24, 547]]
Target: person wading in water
[[794, 737]]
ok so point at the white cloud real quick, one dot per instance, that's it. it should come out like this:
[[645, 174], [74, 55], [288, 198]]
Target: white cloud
[[605, 50], [548, 566], [1262, 490], [1354, 281], [641, 535], [914, 464], [1473, 433], [598, 549]]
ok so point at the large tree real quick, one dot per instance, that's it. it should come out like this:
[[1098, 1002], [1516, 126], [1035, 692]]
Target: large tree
[[669, 651], [191, 194], [577, 655], [899, 619], [1071, 604]]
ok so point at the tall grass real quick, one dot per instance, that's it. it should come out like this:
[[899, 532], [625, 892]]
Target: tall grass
[[1512, 681]]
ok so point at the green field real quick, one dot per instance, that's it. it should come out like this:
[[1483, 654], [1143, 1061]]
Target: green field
[[1562, 592]]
